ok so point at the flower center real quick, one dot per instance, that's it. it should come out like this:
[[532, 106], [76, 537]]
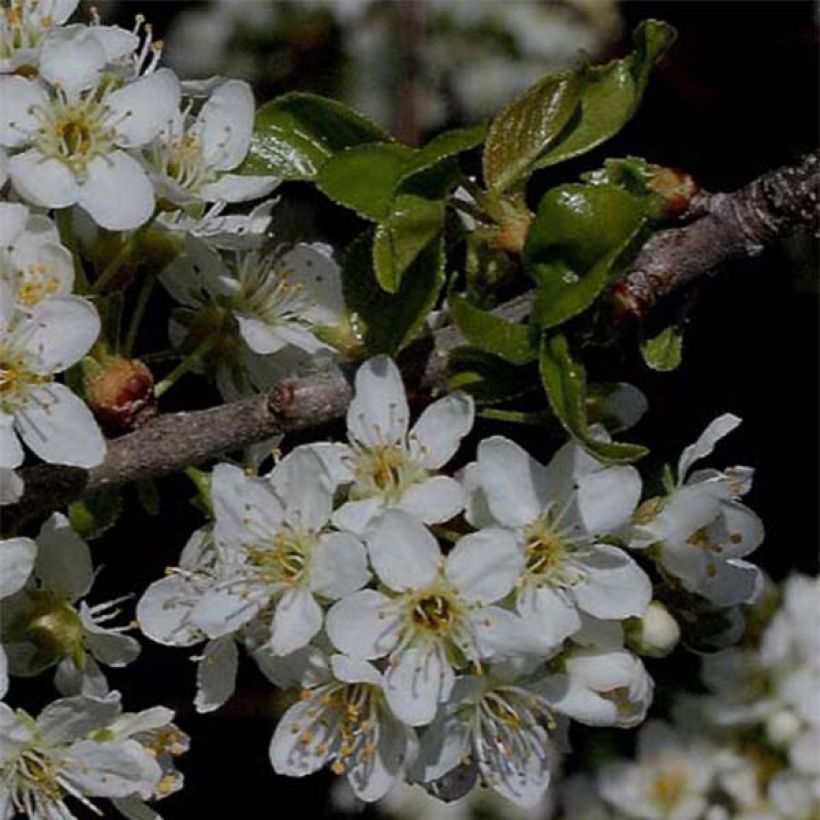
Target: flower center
[[35, 284], [434, 613], [544, 551], [269, 292], [180, 156], [385, 470], [16, 381], [286, 560], [668, 788], [74, 132], [23, 28], [34, 781]]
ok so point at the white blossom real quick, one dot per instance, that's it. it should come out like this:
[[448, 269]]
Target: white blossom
[[434, 614], [47, 761], [45, 414], [346, 722], [49, 622], [192, 155], [24, 24], [700, 531], [16, 563], [559, 514], [387, 467], [70, 136]]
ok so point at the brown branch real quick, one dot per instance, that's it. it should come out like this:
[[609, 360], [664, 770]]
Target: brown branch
[[726, 227]]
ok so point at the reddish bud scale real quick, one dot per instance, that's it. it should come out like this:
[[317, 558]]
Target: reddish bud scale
[[122, 395], [676, 190]]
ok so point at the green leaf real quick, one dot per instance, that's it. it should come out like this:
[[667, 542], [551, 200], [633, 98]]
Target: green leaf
[[610, 94], [444, 146], [414, 223], [508, 340], [95, 515], [489, 379], [564, 380], [387, 321], [294, 135], [364, 178], [578, 235], [526, 128], [664, 351]]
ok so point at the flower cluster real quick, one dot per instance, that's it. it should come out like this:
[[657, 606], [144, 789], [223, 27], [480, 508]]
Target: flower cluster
[[442, 629]]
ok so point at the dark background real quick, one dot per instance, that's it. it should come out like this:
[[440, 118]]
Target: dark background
[[737, 95]]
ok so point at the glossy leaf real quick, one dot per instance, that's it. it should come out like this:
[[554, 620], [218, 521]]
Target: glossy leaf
[[445, 146], [526, 128], [564, 380], [388, 322], [664, 352], [579, 233], [414, 223], [294, 135], [489, 379], [492, 334], [610, 94]]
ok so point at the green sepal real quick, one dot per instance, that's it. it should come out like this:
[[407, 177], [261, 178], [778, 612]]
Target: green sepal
[[93, 516], [610, 94], [664, 352], [509, 341], [387, 322], [295, 135], [564, 381]]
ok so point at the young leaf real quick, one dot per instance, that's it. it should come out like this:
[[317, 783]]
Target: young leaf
[[294, 135], [526, 128], [414, 223], [507, 340], [664, 351], [365, 177], [564, 380], [610, 94], [388, 322], [95, 515], [579, 233], [444, 146]]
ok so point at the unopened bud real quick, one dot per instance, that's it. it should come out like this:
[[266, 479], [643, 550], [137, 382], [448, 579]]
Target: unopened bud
[[121, 394], [654, 635], [783, 727], [675, 189]]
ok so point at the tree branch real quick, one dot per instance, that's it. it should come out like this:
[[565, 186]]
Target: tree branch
[[727, 226]]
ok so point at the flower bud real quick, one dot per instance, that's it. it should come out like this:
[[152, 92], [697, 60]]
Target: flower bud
[[121, 394], [675, 189], [782, 727], [654, 635]]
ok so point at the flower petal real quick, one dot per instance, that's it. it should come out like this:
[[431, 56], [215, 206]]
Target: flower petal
[[226, 607], [47, 183], [227, 124], [714, 432], [484, 566], [549, 613], [63, 559], [60, 428], [306, 488], [114, 768], [402, 551], [18, 100], [433, 500], [354, 670], [11, 452], [416, 681], [616, 587], [62, 331], [235, 188], [140, 109], [437, 434], [72, 58], [216, 674], [607, 498], [16, 562], [296, 620], [299, 745], [339, 565], [101, 192], [313, 267], [357, 516], [378, 413], [363, 625], [164, 612]]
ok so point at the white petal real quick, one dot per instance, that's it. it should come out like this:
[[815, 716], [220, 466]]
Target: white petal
[[363, 624], [416, 681], [260, 336], [515, 485], [44, 182], [13, 218], [235, 188], [72, 58], [69, 718], [195, 275], [243, 506], [484, 566], [734, 582], [372, 777], [289, 753], [378, 413], [433, 500], [18, 97], [116, 768], [306, 667], [354, 670], [227, 607], [16, 562], [402, 551], [607, 499], [116, 42], [304, 485], [503, 635], [616, 587], [549, 612], [4, 686], [745, 530], [60, 429], [296, 620], [11, 452], [339, 565], [313, 267], [437, 434], [444, 745], [715, 431], [216, 674], [357, 516], [107, 646], [227, 124], [63, 330], [11, 484], [164, 612], [101, 192], [141, 108], [63, 559]]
